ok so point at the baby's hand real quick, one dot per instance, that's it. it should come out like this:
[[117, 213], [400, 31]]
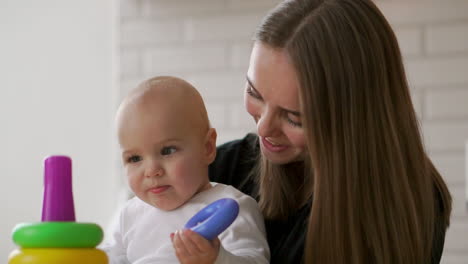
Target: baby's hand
[[191, 248]]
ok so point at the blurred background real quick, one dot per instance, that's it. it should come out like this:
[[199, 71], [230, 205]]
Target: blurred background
[[65, 65]]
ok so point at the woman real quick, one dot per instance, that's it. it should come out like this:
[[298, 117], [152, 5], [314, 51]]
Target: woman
[[338, 166]]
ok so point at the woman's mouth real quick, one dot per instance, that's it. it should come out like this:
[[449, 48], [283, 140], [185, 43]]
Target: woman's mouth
[[271, 146]]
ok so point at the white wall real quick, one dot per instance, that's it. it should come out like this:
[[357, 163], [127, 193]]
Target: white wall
[[208, 42], [56, 97]]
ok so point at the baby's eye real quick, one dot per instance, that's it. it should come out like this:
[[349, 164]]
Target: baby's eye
[[168, 150], [133, 159]]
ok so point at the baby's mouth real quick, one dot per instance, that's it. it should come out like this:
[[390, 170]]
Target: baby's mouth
[[159, 189]]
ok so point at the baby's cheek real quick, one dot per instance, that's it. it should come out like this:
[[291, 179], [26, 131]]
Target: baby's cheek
[[182, 175], [134, 184], [190, 177]]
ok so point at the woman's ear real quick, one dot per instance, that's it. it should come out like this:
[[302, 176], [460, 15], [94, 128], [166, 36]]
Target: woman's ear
[[210, 145]]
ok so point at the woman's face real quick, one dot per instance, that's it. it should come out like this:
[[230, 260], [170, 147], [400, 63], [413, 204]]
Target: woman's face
[[272, 99]]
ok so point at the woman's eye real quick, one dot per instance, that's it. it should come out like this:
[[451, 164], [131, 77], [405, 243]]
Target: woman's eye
[[252, 93], [293, 123], [168, 150], [293, 120], [133, 159]]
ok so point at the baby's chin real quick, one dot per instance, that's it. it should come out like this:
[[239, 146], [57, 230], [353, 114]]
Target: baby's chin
[[167, 206]]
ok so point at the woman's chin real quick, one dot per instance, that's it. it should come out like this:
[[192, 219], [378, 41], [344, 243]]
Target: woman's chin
[[281, 158]]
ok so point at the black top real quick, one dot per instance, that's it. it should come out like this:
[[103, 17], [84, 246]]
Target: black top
[[233, 165]]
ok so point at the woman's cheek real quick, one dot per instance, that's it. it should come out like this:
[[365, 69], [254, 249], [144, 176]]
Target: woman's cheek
[[251, 107], [297, 138]]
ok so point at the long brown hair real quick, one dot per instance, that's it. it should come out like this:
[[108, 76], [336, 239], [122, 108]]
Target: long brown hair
[[376, 194]]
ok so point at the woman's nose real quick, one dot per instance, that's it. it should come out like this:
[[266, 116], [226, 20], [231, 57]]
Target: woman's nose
[[267, 124], [154, 169]]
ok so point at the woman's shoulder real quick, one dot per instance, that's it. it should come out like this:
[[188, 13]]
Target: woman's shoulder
[[248, 143], [234, 163], [235, 152]]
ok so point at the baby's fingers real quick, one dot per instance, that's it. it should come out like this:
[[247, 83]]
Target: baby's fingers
[[202, 244], [189, 244], [179, 246]]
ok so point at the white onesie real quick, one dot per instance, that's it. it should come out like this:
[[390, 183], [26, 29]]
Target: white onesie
[[142, 234]]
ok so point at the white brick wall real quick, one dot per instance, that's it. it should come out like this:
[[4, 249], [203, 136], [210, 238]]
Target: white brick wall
[[149, 32], [208, 42], [445, 38]]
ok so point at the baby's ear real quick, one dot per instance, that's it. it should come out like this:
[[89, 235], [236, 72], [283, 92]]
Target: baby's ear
[[210, 145]]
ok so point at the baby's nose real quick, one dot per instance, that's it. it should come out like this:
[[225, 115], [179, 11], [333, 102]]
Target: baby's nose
[[154, 170]]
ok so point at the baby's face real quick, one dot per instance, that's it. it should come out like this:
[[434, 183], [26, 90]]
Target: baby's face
[[163, 155]]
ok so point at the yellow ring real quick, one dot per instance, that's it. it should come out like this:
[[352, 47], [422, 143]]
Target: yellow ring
[[58, 256]]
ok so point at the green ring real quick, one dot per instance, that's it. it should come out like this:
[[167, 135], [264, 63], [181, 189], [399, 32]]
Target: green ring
[[57, 235]]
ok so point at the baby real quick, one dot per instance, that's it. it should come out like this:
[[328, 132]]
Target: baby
[[167, 144]]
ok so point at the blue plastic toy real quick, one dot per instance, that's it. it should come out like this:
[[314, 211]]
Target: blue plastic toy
[[214, 218]]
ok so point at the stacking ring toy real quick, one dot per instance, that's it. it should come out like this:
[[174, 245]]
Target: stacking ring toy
[[58, 256], [214, 218], [57, 235]]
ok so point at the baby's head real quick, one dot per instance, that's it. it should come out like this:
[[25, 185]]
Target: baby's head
[[166, 141]]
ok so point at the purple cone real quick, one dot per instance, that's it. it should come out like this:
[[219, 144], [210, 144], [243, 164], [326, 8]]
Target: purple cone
[[58, 203]]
